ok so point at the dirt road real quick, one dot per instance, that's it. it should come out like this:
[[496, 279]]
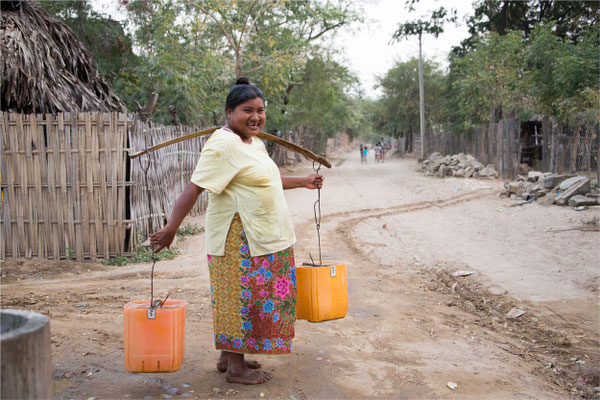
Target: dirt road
[[411, 326]]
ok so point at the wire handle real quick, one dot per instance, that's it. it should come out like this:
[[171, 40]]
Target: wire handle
[[158, 303], [317, 211]]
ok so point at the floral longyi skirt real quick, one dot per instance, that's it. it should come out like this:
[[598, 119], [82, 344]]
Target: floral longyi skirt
[[253, 298]]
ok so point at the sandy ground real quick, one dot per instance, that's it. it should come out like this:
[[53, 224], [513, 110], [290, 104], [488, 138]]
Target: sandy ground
[[411, 326]]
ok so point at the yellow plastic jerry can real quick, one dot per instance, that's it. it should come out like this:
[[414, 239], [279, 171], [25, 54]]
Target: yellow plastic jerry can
[[322, 292]]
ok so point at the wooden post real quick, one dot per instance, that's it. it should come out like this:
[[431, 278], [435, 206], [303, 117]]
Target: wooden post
[[174, 116], [546, 144], [575, 148], [554, 145], [146, 112]]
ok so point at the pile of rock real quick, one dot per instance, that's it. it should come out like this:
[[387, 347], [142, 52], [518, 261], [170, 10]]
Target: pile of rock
[[460, 165], [548, 188]]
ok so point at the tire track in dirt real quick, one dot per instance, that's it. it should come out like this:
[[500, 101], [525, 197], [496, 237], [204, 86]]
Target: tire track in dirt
[[344, 228], [547, 347]]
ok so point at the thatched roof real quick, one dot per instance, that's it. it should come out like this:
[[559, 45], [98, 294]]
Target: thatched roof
[[44, 68]]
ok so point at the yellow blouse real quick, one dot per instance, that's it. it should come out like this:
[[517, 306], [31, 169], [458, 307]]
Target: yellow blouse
[[242, 178]]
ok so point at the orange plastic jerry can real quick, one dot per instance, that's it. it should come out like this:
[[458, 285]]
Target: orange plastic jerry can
[[322, 292], [154, 338]]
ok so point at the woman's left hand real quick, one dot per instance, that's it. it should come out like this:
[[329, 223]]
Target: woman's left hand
[[314, 181]]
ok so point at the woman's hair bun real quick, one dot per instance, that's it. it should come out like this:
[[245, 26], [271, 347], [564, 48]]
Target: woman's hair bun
[[242, 81]]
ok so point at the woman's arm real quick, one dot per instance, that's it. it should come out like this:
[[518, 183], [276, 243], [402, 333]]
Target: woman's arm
[[186, 200], [310, 182]]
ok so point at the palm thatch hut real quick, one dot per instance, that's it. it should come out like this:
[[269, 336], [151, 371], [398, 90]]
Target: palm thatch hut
[[44, 68]]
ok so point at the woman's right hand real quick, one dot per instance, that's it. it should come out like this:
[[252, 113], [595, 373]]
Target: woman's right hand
[[161, 239]]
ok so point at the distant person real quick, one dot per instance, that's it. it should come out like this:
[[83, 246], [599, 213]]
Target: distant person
[[378, 153], [362, 158], [364, 153]]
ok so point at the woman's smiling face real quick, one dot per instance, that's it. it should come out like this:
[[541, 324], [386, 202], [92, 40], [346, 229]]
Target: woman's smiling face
[[247, 119]]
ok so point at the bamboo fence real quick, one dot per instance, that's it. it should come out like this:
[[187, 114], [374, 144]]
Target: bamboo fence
[[63, 185], [169, 171], [564, 149], [69, 189], [496, 143]]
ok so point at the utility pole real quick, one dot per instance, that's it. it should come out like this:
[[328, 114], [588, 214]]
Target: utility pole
[[433, 25], [421, 100]]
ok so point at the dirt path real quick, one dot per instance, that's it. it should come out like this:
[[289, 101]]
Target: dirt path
[[411, 326]]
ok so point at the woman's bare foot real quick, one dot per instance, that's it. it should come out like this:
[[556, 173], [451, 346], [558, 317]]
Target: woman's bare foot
[[224, 358], [238, 371], [247, 376]]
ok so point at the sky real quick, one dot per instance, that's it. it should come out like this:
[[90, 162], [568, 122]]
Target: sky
[[366, 49], [369, 53]]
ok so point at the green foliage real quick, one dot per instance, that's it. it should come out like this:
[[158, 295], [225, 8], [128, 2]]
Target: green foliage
[[399, 105], [189, 230], [523, 58], [141, 254], [564, 77], [363, 117], [571, 18], [105, 38], [432, 25], [319, 102], [190, 52], [70, 253], [489, 78]]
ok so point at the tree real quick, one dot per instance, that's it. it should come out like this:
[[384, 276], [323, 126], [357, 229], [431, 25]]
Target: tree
[[571, 18], [195, 49], [271, 40], [488, 82], [320, 105], [399, 104], [564, 82], [104, 37]]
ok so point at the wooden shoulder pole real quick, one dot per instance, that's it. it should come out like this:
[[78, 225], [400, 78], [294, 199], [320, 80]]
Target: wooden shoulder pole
[[262, 135]]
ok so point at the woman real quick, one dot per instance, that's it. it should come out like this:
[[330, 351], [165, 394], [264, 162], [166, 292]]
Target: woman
[[249, 238]]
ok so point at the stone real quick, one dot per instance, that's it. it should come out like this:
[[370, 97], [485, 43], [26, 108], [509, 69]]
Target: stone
[[552, 180], [525, 189], [477, 165], [514, 186], [581, 186], [547, 200], [460, 173], [488, 172], [442, 171], [532, 176], [579, 200], [567, 183], [469, 172]]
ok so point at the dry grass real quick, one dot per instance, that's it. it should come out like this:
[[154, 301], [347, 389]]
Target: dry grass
[[44, 68]]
